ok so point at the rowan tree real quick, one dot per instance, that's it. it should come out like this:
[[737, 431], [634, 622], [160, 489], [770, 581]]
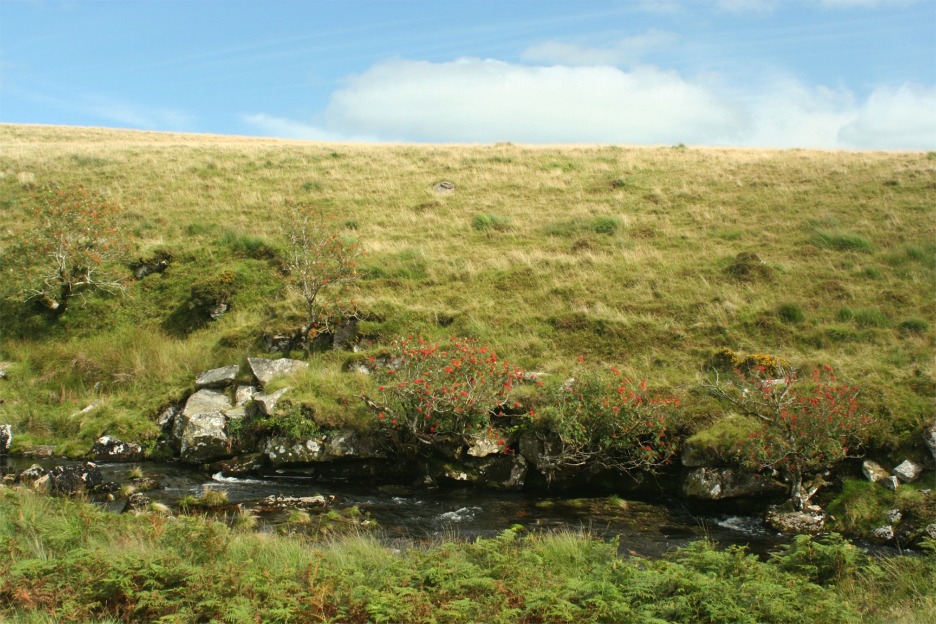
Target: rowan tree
[[75, 247], [806, 425]]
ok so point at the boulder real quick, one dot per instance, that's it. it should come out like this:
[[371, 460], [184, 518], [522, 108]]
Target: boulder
[[244, 394], [217, 377], [75, 478], [482, 446], [6, 438], [282, 450], [873, 471], [166, 418], [266, 370], [201, 427], [908, 471], [719, 483], [883, 533], [242, 465], [111, 449], [786, 520]]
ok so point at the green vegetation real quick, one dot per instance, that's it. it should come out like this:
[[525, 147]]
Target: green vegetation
[[652, 258], [72, 562]]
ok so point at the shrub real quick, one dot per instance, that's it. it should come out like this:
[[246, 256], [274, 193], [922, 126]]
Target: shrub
[[604, 420], [429, 391], [913, 326], [871, 317]]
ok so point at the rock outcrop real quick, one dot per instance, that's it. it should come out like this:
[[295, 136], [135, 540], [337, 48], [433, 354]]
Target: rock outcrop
[[201, 427], [720, 483]]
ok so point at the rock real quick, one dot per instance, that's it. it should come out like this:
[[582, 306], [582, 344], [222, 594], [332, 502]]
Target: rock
[[200, 428], [873, 471], [157, 264], [266, 370], [145, 484], [785, 520], [244, 394], [720, 483], [345, 333], [482, 446], [894, 516], [137, 503], [242, 465], [891, 483], [278, 501], [930, 531], [929, 438], [31, 474], [6, 438], [266, 403], [107, 448], [41, 451], [884, 533], [444, 188], [217, 377], [504, 472], [908, 471], [281, 450], [166, 418], [75, 478]]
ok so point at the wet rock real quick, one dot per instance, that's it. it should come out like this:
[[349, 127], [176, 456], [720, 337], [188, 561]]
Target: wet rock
[[31, 475], [217, 377], [505, 472], [75, 478], [266, 370], [137, 503], [908, 471], [281, 450], [873, 471], [720, 483], [278, 501], [6, 438], [786, 520], [111, 449]]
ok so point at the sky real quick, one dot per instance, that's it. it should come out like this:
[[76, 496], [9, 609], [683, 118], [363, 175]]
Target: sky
[[830, 74]]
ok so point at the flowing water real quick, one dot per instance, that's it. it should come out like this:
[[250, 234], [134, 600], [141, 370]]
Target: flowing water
[[643, 528]]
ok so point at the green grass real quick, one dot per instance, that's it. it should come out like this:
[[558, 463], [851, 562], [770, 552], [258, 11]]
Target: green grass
[[648, 258]]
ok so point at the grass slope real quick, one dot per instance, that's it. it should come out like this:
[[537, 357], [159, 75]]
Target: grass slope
[[626, 256]]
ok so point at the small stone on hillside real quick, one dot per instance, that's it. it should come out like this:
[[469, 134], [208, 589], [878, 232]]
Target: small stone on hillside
[[892, 483], [444, 188], [873, 471], [929, 437], [6, 438]]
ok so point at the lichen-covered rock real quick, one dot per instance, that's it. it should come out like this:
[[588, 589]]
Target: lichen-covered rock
[[883, 533], [217, 377], [137, 503], [111, 449], [908, 471], [266, 403], [6, 438], [75, 478], [720, 483], [266, 370], [244, 394], [873, 471], [482, 446], [929, 438], [329, 446], [201, 428]]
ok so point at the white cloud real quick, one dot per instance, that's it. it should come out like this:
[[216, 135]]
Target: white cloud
[[623, 52], [905, 117], [135, 115], [474, 100], [483, 101]]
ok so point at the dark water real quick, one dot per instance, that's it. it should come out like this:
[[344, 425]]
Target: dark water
[[644, 528]]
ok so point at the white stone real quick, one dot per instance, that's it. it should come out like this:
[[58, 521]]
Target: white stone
[[873, 471], [908, 471], [892, 483]]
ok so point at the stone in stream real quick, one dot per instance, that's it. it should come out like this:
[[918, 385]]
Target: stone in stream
[[111, 449], [201, 427]]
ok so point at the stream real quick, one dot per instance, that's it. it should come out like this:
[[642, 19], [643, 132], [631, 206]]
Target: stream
[[403, 514]]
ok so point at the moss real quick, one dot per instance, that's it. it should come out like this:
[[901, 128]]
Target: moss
[[720, 442]]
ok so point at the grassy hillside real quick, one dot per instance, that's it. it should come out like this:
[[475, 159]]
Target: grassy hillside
[[652, 259]]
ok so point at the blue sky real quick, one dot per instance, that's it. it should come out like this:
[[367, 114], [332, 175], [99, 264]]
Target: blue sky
[[837, 74]]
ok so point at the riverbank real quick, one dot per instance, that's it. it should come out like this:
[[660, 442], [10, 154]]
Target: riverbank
[[86, 565]]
